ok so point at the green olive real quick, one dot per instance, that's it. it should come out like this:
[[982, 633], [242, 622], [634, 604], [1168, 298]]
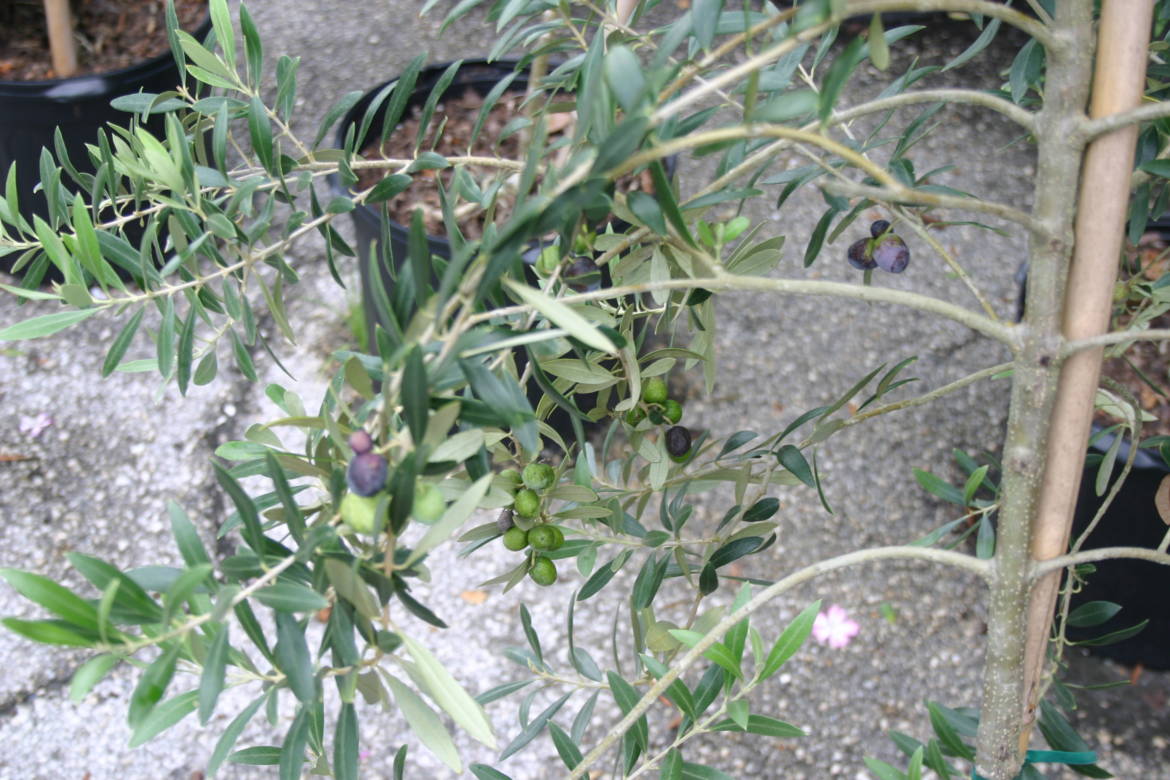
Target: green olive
[[672, 411], [538, 476], [526, 503], [654, 390], [358, 512], [428, 503], [516, 538], [635, 415], [558, 537], [543, 571], [542, 537]]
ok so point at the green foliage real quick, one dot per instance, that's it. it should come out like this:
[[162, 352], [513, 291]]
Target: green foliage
[[472, 358]]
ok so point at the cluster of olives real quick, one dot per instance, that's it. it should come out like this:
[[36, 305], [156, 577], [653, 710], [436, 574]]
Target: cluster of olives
[[662, 410], [884, 249], [541, 536], [366, 477]]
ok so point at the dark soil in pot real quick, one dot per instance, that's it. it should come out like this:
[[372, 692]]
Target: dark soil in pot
[[110, 35], [32, 111], [1145, 368]]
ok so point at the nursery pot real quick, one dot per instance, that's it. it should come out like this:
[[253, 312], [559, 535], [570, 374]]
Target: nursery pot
[[477, 75], [30, 112], [1140, 587]]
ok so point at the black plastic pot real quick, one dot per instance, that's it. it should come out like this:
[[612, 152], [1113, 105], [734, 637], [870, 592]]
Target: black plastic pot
[[30, 111], [478, 75], [1142, 588]]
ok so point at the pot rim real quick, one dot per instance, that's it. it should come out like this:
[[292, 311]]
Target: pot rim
[[38, 88]]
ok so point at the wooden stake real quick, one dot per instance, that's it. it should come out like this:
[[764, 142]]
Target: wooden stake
[[60, 23], [1118, 84]]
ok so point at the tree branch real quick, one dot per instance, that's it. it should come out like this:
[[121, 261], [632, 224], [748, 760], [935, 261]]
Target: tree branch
[[1006, 334], [907, 552], [1117, 337], [1042, 568], [900, 194], [1107, 124], [970, 97]]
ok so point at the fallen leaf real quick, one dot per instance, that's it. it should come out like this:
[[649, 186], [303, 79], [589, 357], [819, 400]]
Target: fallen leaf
[[475, 597], [1162, 499]]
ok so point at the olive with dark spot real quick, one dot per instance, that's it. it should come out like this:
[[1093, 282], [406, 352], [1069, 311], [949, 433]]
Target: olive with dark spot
[[859, 255], [582, 274], [366, 474], [891, 253]]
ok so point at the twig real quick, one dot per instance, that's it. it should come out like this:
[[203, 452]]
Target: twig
[[1051, 565], [959, 560]]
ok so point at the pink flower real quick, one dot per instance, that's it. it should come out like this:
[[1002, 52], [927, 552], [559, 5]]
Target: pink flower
[[33, 427], [835, 628]]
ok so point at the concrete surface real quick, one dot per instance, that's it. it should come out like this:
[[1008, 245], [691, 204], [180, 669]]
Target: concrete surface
[[117, 450]]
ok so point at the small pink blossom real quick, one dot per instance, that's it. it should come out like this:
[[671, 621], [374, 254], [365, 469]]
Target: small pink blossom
[[33, 427], [835, 628]]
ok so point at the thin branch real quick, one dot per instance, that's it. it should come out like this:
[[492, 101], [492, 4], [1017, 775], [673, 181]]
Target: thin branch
[[1006, 334], [740, 72], [900, 194], [1107, 124], [926, 398], [923, 231], [676, 145], [1117, 337], [959, 560], [971, 97], [1050, 565]]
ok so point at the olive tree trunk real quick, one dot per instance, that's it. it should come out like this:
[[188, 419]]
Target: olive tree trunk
[[1069, 293]]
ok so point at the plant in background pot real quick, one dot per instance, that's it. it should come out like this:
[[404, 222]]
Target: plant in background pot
[[60, 69], [436, 423]]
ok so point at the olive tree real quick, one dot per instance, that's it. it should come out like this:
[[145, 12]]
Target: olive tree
[[446, 417]]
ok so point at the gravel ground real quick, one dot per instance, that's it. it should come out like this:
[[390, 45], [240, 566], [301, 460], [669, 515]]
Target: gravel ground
[[117, 451]]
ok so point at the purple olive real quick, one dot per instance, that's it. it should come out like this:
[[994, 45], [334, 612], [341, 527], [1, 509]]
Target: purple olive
[[360, 441], [877, 227], [859, 255], [678, 442], [582, 274], [891, 254], [366, 474]]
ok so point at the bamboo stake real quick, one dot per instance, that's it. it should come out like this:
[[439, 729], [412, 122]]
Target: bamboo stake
[[1118, 84], [61, 47]]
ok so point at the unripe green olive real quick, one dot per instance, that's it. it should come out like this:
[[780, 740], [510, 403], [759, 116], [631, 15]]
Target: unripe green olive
[[538, 476], [526, 503], [654, 390], [516, 538], [542, 537], [358, 512], [543, 571], [635, 415], [428, 503], [672, 410], [558, 538]]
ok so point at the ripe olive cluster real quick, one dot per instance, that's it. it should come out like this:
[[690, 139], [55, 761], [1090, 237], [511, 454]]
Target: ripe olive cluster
[[884, 249], [366, 477], [541, 536], [662, 410]]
